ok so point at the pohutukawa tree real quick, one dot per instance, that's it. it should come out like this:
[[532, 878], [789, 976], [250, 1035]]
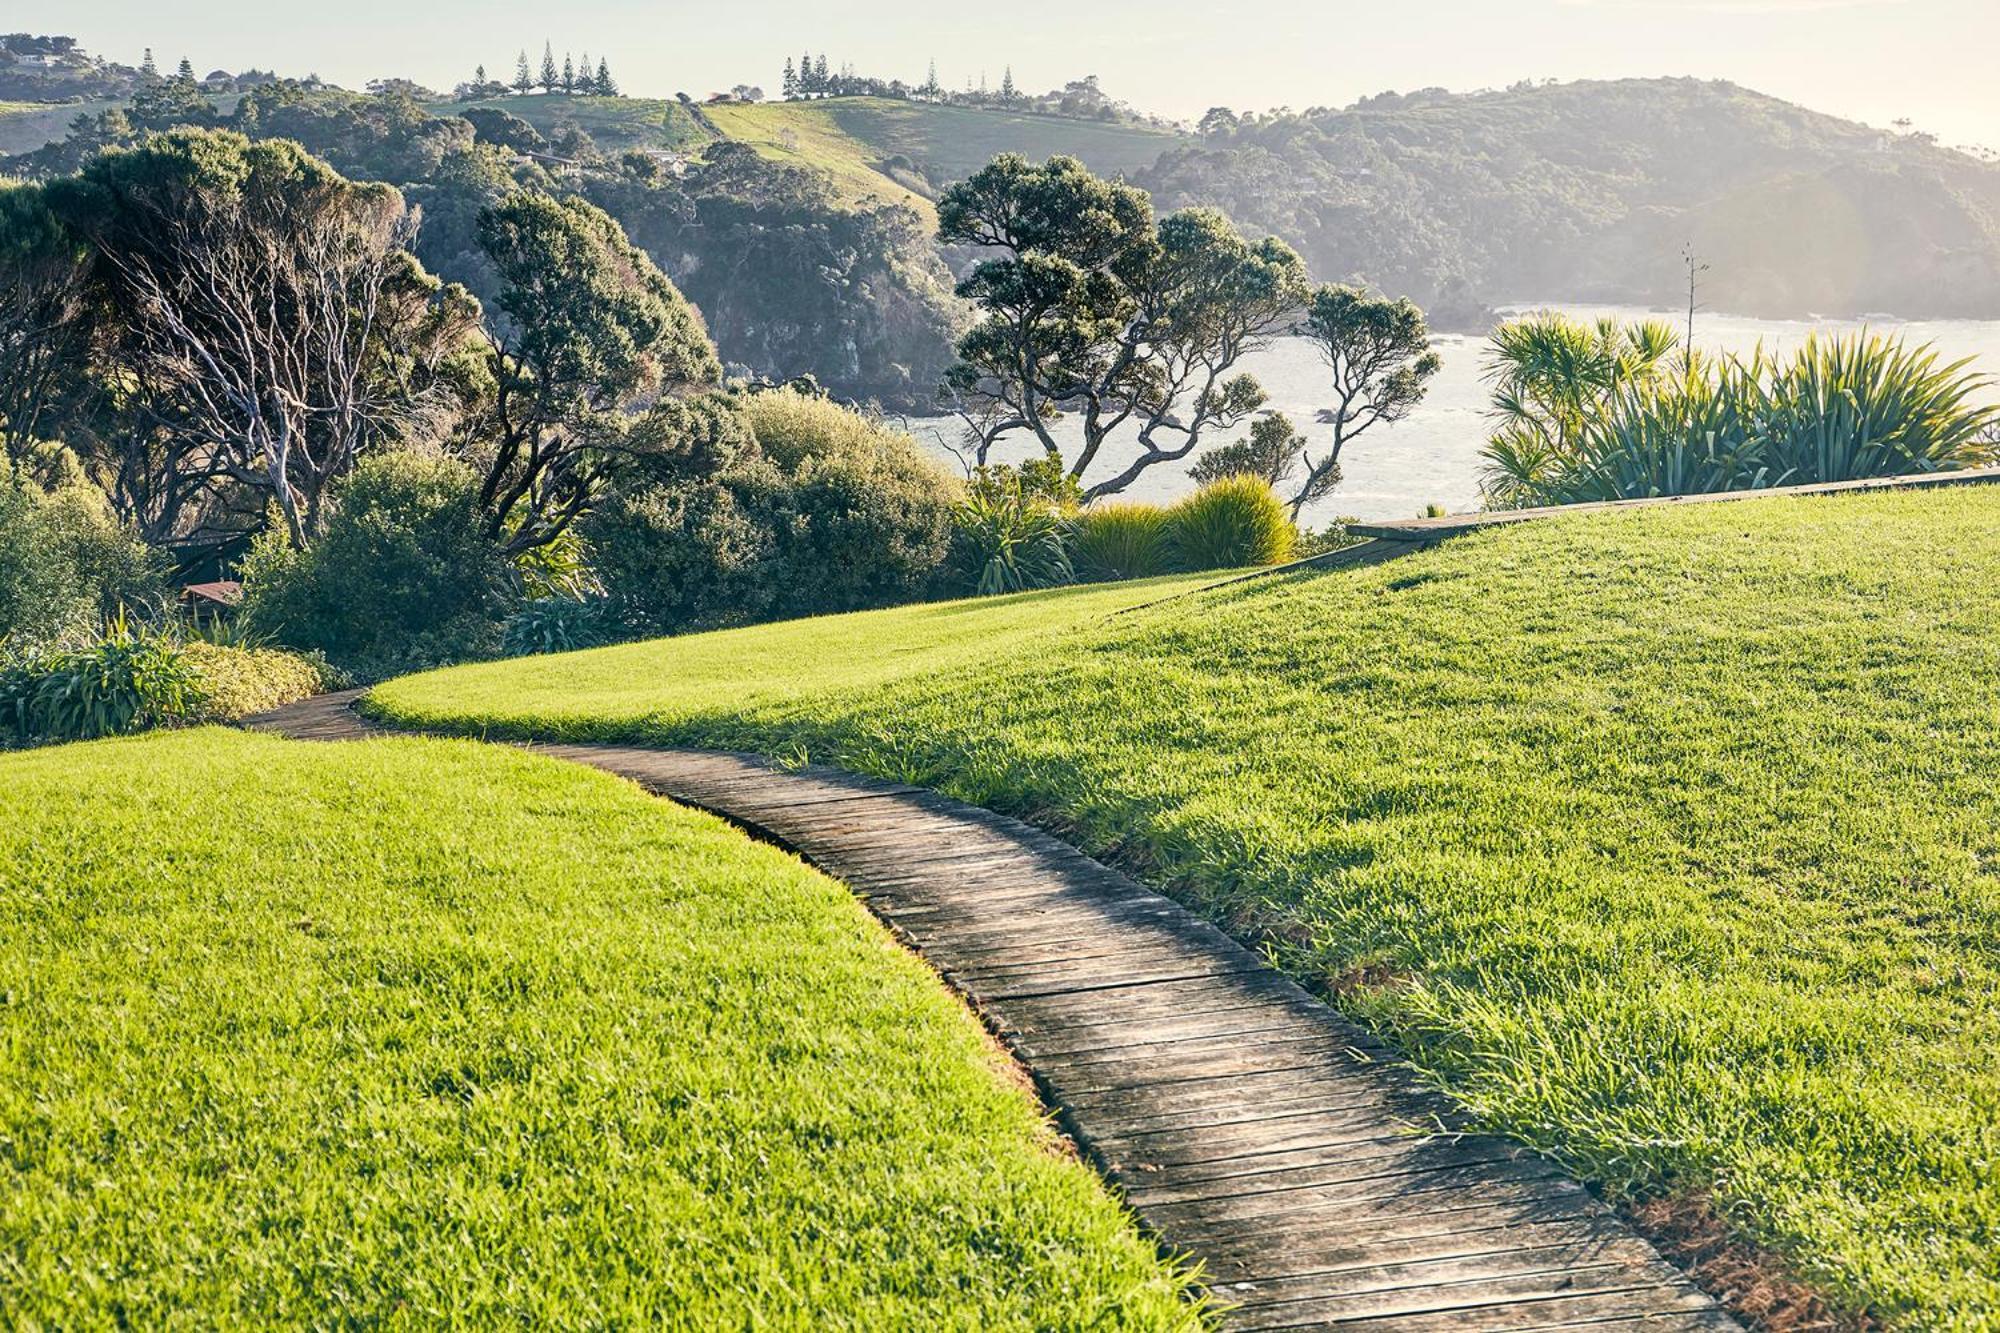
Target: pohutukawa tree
[[270, 324], [593, 347], [44, 308], [1093, 309], [1380, 353]]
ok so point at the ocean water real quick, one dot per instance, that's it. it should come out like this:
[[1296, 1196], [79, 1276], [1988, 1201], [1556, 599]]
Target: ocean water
[[1432, 456]]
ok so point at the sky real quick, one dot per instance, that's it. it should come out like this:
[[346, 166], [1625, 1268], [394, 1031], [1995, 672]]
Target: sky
[[1933, 62]]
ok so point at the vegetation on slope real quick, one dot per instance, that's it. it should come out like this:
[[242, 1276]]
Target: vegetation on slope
[[572, 1056], [902, 152], [1662, 840], [615, 124], [792, 277], [802, 134], [26, 126], [1588, 191]]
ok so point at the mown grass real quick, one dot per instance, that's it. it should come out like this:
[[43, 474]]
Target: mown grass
[[1665, 841], [952, 142], [26, 126], [414, 1033]]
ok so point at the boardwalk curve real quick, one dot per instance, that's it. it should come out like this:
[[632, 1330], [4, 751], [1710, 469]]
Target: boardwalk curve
[[1246, 1123]]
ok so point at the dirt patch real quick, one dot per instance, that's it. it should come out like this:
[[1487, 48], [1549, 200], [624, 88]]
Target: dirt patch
[[1756, 1286], [1368, 978]]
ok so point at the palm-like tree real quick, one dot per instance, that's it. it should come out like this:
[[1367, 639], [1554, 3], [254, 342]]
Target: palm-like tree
[[1554, 378]]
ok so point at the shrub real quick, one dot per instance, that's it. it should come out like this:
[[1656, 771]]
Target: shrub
[[675, 556], [1009, 545], [559, 623], [65, 564], [822, 510], [1857, 407], [401, 578], [1120, 540], [239, 681], [1228, 524], [1840, 410], [1333, 537], [129, 679], [868, 518]]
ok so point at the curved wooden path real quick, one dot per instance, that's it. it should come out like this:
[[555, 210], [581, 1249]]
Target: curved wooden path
[[1248, 1125]]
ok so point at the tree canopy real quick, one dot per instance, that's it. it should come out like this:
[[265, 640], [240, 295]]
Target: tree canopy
[[1091, 308], [592, 335]]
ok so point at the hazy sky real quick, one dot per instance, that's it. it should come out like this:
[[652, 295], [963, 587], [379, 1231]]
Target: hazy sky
[[1934, 61]]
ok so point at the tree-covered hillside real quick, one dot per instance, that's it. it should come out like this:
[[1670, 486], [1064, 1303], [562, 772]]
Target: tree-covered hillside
[[793, 276], [803, 228], [1590, 191]]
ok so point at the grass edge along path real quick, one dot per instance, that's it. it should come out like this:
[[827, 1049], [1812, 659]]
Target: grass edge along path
[[296, 1034], [1655, 836], [1249, 1125]]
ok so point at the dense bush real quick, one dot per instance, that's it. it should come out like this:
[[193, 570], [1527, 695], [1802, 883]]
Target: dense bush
[[65, 564], [813, 509], [1228, 524], [869, 510], [1120, 540], [401, 578]]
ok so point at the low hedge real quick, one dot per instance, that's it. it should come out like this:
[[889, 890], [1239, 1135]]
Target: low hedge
[[237, 682]]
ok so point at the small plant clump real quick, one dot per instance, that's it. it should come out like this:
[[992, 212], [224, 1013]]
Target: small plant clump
[[1230, 524]]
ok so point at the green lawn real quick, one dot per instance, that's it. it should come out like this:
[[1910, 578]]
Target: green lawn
[[950, 143], [803, 134], [1667, 841], [415, 1033]]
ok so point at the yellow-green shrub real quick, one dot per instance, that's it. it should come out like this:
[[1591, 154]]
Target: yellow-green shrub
[[1228, 524], [1124, 539], [236, 682]]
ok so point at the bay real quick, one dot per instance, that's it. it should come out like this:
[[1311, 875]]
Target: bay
[[1432, 456]]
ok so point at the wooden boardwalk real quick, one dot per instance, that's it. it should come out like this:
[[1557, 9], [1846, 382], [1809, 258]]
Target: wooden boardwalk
[[1248, 1125]]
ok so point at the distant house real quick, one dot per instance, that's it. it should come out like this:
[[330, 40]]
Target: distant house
[[219, 81]]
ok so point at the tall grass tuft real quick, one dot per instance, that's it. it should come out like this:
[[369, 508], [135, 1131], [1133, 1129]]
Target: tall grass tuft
[[1120, 540], [1229, 524]]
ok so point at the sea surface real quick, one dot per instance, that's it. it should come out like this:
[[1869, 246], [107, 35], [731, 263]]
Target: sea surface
[[1432, 456]]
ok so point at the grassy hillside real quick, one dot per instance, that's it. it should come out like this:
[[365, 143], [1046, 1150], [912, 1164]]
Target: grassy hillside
[[855, 137], [1664, 840], [618, 124], [281, 1047], [26, 126]]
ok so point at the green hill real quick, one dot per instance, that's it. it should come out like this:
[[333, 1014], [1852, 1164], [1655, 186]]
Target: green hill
[[859, 139], [26, 126], [617, 124], [1663, 840], [1589, 192]]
